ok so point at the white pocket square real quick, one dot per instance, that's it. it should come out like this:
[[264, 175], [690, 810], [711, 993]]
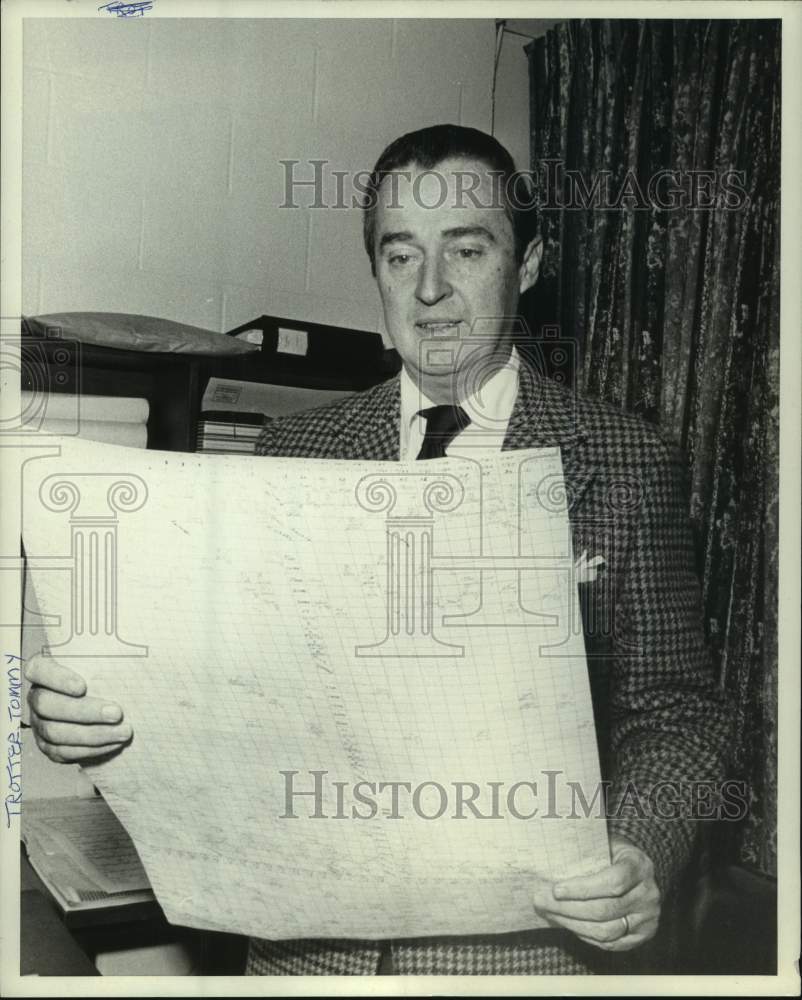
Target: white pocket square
[[585, 569]]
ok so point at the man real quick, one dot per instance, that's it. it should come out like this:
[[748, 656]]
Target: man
[[447, 239]]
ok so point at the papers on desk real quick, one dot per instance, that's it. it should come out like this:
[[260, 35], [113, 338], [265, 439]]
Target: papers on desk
[[290, 641], [82, 854]]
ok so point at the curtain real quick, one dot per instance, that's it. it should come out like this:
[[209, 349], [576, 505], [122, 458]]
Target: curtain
[[656, 153]]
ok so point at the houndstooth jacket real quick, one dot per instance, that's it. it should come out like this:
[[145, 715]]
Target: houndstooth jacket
[[659, 714]]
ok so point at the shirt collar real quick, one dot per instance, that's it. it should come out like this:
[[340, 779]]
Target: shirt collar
[[489, 407]]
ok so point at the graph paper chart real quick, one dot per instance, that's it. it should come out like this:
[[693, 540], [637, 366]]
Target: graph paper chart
[[289, 634]]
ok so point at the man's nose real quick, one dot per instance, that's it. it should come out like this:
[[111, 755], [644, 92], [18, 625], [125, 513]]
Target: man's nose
[[432, 282]]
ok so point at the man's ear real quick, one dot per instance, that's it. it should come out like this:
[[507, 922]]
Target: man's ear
[[530, 268]]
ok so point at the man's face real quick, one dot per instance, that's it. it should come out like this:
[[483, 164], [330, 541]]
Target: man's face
[[447, 275]]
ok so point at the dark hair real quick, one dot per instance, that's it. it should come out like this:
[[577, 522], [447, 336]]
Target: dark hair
[[426, 148]]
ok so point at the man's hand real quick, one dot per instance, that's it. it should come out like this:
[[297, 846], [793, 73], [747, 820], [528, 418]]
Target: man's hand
[[616, 909], [68, 725]]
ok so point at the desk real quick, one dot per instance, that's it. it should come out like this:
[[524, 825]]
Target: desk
[[46, 946], [51, 946]]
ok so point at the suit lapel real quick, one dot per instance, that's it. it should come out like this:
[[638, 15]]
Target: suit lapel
[[376, 435], [546, 416]]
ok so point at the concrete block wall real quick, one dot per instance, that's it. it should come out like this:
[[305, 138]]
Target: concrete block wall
[[151, 151]]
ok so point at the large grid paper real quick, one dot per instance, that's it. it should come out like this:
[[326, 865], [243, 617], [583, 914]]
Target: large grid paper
[[252, 581]]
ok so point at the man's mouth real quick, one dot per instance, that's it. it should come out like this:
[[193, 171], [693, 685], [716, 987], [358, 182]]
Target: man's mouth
[[435, 327]]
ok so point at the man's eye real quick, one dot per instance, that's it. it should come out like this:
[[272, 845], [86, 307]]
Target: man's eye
[[399, 259], [468, 253]]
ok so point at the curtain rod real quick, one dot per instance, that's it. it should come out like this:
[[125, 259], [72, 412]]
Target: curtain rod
[[501, 31], [512, 31]]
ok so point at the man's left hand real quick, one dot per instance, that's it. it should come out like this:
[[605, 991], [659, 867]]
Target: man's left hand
[[616, 909]]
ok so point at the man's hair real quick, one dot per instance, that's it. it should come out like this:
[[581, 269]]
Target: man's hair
[[428, 147]]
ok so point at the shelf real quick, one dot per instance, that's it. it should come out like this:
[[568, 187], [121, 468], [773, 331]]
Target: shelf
[[174, 384]]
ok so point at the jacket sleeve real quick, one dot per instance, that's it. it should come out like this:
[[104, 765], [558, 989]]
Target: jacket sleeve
[[669, 723]]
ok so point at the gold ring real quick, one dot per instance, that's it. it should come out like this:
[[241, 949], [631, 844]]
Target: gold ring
[[627, 928]]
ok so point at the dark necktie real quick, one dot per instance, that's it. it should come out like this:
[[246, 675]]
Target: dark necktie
[[443, 423]]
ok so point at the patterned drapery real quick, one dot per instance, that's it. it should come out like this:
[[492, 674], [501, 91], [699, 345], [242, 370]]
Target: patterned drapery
[[656, 149]]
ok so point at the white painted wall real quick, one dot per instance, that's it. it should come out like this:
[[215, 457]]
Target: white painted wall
[[151, 153]]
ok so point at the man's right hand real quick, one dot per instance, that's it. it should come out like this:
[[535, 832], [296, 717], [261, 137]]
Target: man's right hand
[[69, 726]]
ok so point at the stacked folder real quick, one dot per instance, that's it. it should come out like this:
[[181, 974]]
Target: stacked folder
[[113, 419], [229, 432]]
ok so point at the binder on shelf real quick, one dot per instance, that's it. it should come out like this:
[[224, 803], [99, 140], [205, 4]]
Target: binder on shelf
[[321, 347]]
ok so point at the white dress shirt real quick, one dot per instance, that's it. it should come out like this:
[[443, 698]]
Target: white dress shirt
[[489, 408]]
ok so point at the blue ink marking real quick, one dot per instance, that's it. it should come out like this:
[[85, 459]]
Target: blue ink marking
[[127, 9], [13, 799], [14, 693]]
